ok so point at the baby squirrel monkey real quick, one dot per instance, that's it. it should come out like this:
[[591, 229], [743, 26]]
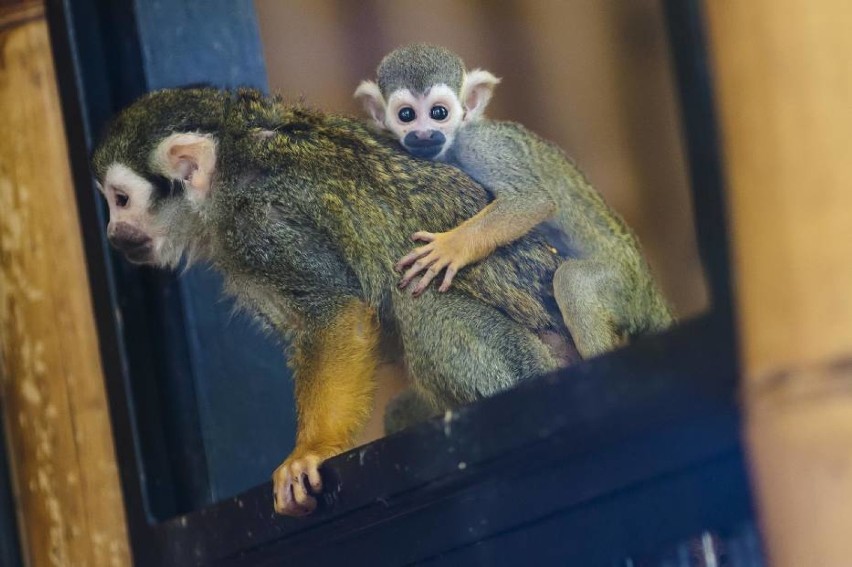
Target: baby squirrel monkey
[[604, 289]]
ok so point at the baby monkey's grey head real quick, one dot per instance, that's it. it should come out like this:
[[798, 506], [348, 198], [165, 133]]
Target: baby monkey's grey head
[[418, 68], [423, 95]]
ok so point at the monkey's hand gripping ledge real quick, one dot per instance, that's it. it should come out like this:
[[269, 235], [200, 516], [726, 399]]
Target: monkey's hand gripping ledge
[[613, 457]]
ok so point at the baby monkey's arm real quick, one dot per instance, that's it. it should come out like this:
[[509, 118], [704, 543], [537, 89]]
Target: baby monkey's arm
[[514, 212]]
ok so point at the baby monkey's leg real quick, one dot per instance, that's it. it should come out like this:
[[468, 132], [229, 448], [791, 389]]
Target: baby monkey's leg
[[591, 296], [459, 350]]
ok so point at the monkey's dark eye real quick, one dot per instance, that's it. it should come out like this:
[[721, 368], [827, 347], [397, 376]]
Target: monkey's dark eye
[[439, 112], [121, 199], [406, 114]]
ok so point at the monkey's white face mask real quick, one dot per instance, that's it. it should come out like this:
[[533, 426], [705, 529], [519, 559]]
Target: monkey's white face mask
[[426, 123], [139, 224], [131, 224]]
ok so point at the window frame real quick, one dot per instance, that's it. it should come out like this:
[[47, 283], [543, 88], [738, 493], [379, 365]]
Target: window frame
[[610, 440]]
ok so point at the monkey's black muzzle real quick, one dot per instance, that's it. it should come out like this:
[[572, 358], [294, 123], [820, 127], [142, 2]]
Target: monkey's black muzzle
[[136, 246], [424, 145], [136, 253]]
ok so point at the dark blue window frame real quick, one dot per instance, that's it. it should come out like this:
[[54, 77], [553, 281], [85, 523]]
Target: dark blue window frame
[[623, 454]]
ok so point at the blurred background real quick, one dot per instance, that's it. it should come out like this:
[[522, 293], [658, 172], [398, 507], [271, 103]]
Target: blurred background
[[129, 397], [594, 76]]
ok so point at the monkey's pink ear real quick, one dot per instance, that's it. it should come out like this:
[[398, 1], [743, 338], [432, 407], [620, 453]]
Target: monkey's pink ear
[[477, 88], [370, 97], [188, 157]]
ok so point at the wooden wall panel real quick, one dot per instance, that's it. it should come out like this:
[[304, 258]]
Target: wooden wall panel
[[784, 82], [59, 437]]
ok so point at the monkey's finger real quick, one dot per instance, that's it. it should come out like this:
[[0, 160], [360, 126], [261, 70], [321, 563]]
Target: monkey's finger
[[448, 278], [309, 506], [418, 267], [312, 473], [304, 501], [299, 506], [278, 499], [282, 498], [296, 479], [285, 503], [415, 254], [280, 489], [423, 235], [299, 502], [427, 278]]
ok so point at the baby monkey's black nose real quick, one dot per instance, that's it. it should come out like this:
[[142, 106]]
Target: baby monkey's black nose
[[424, 138], [425, 144]]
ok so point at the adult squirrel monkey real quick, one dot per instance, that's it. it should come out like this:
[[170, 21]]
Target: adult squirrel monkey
[[305, 214]]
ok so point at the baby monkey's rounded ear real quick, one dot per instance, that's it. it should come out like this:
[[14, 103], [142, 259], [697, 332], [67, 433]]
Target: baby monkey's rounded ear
[[189, 157], [370, 97], [476, 91]]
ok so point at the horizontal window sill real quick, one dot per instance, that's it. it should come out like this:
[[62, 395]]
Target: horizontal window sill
[[656, 423]]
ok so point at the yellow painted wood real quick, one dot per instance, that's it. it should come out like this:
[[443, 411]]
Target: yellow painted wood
[[783, 72], [51, 384]]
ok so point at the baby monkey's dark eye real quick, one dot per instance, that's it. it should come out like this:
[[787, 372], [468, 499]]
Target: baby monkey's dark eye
[[439, 112], [121, 199], [406, 114]]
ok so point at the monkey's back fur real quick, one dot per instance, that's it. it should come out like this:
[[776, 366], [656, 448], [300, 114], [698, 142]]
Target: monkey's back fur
[[309, 210]]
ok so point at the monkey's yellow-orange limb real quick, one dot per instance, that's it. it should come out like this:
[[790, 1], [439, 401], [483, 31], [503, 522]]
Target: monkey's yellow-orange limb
[[783, 88], [335, 387]]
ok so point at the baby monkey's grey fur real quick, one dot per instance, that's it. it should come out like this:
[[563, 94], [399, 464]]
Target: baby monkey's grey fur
[[604, 287]]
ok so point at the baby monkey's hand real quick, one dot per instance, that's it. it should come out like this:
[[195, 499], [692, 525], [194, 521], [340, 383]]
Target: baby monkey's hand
[[445, 250]]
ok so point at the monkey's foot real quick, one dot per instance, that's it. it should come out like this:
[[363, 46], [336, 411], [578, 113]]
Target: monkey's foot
[[291, 495]]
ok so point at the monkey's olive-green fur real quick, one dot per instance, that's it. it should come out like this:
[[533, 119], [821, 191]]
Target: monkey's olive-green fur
[[308, 211]]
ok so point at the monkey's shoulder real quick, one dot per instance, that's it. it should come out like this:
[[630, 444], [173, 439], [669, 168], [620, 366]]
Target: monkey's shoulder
[[282, 245], [506, 155], [504, 141]]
